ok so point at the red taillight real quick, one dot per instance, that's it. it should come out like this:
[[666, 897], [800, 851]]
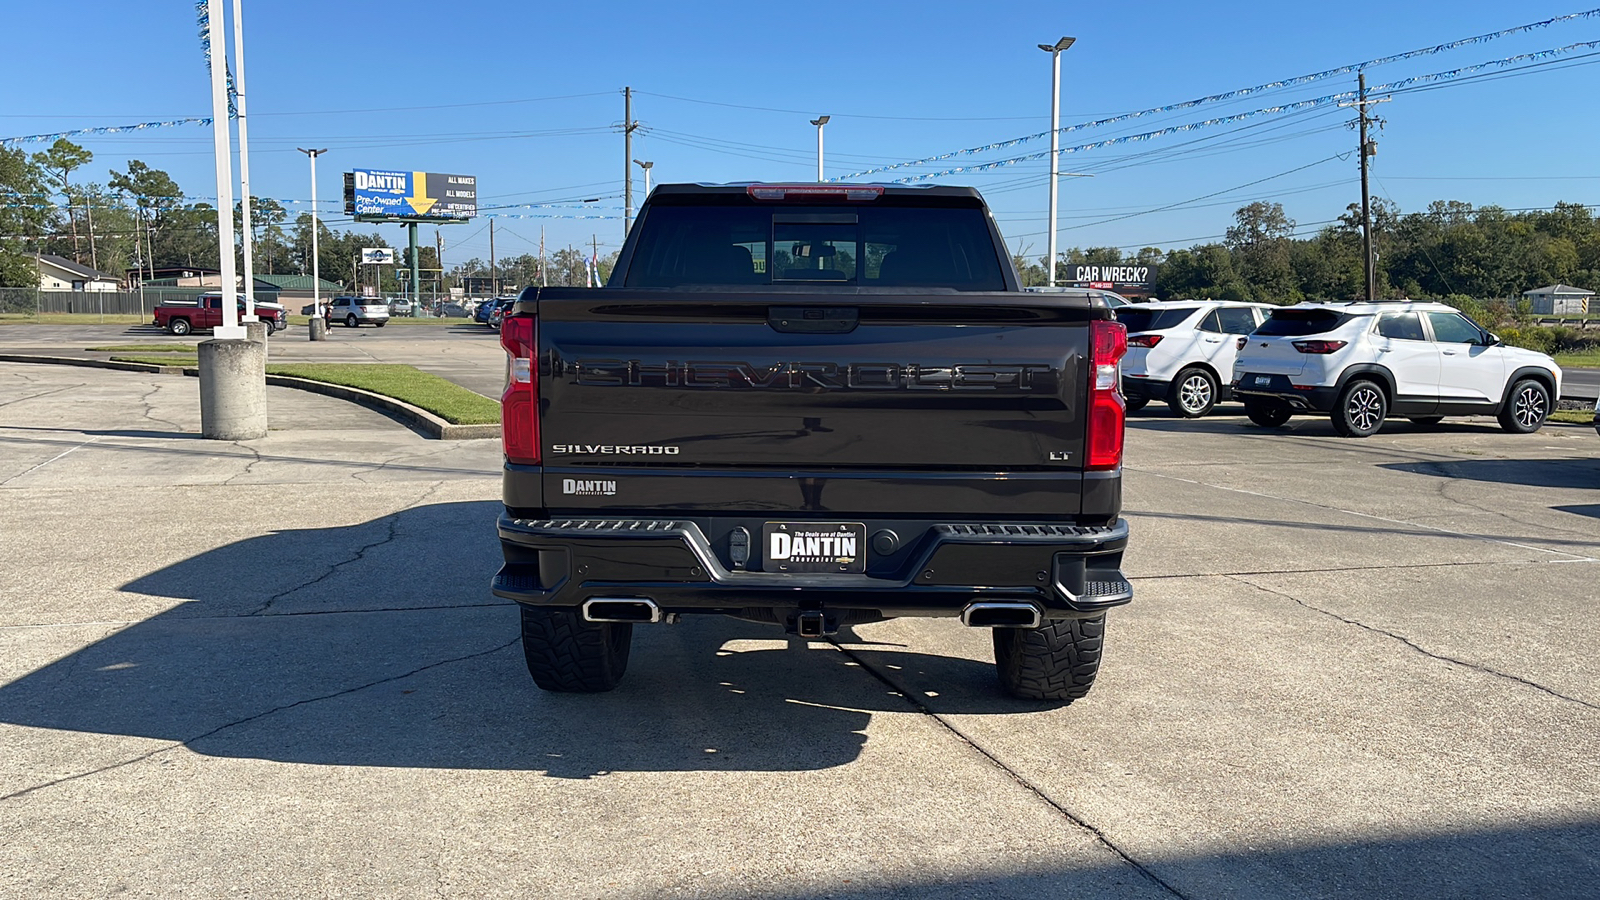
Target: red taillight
[[815, 191], [519, 404], [1108, 342], [1241, 342], [1144, 340], [1319, 346]]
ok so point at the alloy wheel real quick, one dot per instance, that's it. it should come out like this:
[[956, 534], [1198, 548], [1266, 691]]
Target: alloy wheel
[[1195, 393], [1364, 409], [1529, 409]]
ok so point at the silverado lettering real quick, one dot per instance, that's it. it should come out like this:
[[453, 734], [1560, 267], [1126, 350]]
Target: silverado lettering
[[789, 376], [614, 450]]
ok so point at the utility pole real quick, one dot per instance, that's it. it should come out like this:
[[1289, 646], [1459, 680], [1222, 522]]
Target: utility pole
[[594, 260], [544, 277], [628, 125], [1055, 145], [438, 250], [1367, 149], [819, 121], [494, 275]]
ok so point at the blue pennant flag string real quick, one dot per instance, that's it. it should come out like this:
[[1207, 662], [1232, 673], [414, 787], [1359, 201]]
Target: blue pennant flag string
[[1242, 92], [1402, 84]]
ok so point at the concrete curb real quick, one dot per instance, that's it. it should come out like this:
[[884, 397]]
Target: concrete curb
[[420, 419], [416, 417]]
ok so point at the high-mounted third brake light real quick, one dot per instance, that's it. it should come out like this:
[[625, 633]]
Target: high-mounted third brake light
[[1322, 347], [519, 405], [1108, 343], [815, 191]]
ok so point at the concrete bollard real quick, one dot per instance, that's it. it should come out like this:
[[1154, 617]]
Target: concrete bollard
[[256, 331], [319, 328], [233, 390]]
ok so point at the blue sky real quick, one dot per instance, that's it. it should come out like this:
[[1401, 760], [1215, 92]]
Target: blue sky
[[725, 91]]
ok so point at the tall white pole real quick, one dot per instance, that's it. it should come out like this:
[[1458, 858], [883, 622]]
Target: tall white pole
[[1055, 159], [224, 161], [316, 278], [819, 121], [248, 237]]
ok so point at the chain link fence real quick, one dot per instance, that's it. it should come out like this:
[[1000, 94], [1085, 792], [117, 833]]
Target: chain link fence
[[31, 302]]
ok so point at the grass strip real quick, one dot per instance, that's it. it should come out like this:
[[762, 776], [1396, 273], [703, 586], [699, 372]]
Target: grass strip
[[145, 348], [1578, 359], [447, 400], [1573, 416], [73, 319]]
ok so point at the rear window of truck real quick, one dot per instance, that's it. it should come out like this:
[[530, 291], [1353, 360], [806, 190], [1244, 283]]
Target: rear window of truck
[[862, 246], [1301, 322], [1139, 320]]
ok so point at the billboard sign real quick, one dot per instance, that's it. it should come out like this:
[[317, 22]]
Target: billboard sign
[[377, 256], [382, 194], [1113, 277]]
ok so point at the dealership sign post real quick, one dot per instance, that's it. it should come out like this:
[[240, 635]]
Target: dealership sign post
[[385, 195]]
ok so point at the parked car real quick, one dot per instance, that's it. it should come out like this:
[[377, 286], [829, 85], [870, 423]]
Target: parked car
[[354, 311], [501, 308], [1183, 351], [451, 311], [205, 311], [487, 308], [399, 306], [1362, 362]]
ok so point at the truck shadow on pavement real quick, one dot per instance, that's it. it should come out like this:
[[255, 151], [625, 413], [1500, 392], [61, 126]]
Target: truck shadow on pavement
[[378, 645]]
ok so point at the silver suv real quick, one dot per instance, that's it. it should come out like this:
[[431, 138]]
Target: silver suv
[[353, 311]]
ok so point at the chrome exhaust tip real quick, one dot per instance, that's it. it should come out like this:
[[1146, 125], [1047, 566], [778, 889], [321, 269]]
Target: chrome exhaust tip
[[621, 609], [998, 614]]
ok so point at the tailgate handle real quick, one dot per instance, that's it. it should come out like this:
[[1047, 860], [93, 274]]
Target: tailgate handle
[[813, 319]]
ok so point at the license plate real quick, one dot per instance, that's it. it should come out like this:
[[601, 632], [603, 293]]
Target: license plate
[[1263, 380], [814, 547]]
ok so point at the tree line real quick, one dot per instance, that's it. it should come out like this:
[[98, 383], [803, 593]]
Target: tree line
[[139, 218], [1450, 251]]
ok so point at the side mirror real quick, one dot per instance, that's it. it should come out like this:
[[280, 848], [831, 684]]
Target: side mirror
[[1494, 339]]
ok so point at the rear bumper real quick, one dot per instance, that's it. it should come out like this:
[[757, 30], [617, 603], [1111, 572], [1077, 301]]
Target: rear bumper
[[1280, 388], [1152, 389], [1068, 571]]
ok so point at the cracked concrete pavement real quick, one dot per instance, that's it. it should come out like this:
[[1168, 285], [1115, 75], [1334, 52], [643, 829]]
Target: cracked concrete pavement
[[1353, 668]]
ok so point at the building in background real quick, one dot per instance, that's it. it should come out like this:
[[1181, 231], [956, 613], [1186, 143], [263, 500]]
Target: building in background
[[58, 273], [1558, 300]]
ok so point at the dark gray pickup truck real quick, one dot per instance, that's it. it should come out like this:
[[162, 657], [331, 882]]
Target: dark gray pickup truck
[[814, 406]]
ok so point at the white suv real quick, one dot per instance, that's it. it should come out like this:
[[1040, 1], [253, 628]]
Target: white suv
[[1182, 351], [1361, 362]]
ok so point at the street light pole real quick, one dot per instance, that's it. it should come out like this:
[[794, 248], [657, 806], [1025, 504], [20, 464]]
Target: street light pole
[[819, 122], [316, 278], [1055, 145], [646, 165]]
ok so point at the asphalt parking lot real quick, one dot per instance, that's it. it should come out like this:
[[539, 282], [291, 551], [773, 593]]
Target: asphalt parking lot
[[1353, 668]]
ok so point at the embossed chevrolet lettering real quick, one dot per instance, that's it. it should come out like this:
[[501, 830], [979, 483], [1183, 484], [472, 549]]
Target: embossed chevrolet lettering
[[810, 376]]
